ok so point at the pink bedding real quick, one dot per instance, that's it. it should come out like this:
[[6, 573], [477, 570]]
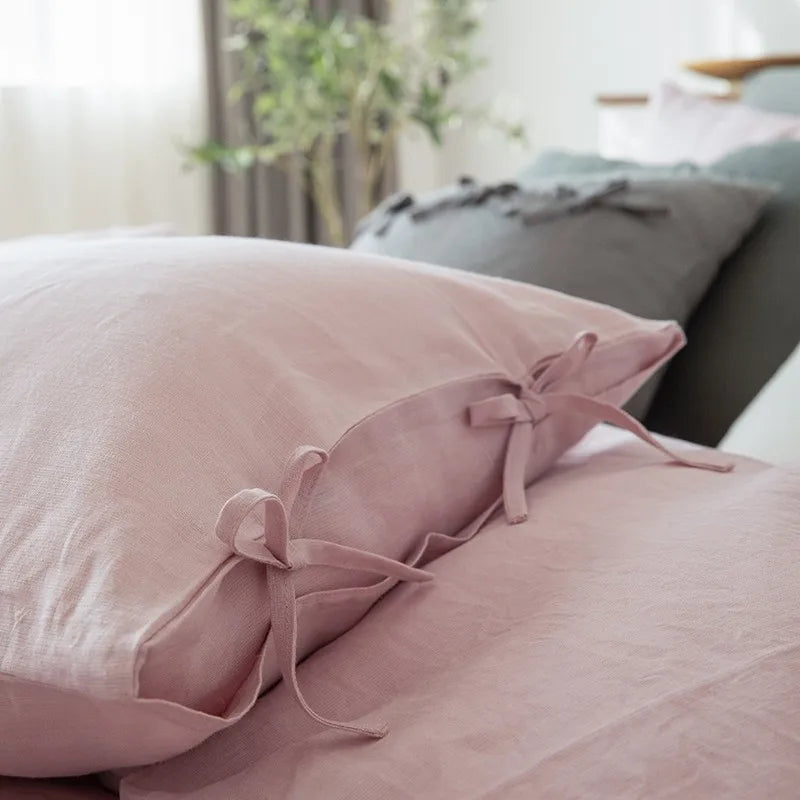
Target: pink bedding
[[638, 636], [216, 453]]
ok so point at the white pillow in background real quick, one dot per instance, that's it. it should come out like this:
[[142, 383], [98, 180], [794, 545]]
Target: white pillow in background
[[687, 127], [622, 131], [769, 428]]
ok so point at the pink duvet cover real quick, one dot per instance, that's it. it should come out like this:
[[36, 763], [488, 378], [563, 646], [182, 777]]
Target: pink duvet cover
[[637, 637]]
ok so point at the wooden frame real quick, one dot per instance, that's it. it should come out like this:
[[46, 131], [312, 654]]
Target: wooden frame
[[732, 70]]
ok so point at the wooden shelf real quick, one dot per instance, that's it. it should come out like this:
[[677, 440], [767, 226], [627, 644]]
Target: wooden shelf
[[642, 99], [621, 99], [737, 69]]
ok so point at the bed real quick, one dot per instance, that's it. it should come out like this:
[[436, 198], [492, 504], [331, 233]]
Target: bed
[[636, 636]]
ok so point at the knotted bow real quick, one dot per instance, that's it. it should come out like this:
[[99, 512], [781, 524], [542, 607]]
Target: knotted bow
[[284, 556], [538, 398]]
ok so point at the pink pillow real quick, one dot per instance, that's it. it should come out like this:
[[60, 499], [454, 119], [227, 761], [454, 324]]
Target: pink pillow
[[218, 453], [685, 127]]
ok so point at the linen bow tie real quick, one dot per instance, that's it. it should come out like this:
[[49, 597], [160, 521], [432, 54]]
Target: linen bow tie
[[284, 556], [538, 398]]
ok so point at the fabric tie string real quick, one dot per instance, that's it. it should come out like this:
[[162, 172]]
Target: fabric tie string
[[284, 556], [538, 398]]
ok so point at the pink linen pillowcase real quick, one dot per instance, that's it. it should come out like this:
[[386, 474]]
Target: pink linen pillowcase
[[682, 126], [218, 453]]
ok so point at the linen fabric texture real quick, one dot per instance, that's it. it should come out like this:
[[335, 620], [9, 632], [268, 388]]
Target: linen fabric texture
[[636, 637], [218, 453]]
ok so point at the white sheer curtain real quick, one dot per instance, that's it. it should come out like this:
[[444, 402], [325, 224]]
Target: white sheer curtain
[[95, 98]]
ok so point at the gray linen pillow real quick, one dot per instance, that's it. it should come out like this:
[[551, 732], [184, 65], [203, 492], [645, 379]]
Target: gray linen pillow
[[747, 324], [648, 245]]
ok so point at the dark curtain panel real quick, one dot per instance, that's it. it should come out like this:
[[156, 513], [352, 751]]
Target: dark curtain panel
[[266, 201]]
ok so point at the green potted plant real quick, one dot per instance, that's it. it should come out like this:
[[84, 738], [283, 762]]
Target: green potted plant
[[309, 79]]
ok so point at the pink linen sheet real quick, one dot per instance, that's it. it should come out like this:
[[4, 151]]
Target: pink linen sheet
[[638, 636]]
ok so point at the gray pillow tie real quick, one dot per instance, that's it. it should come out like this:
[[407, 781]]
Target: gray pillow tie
[[529, 205]]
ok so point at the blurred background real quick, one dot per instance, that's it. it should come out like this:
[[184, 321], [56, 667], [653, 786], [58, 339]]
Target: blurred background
[[104, 103]]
